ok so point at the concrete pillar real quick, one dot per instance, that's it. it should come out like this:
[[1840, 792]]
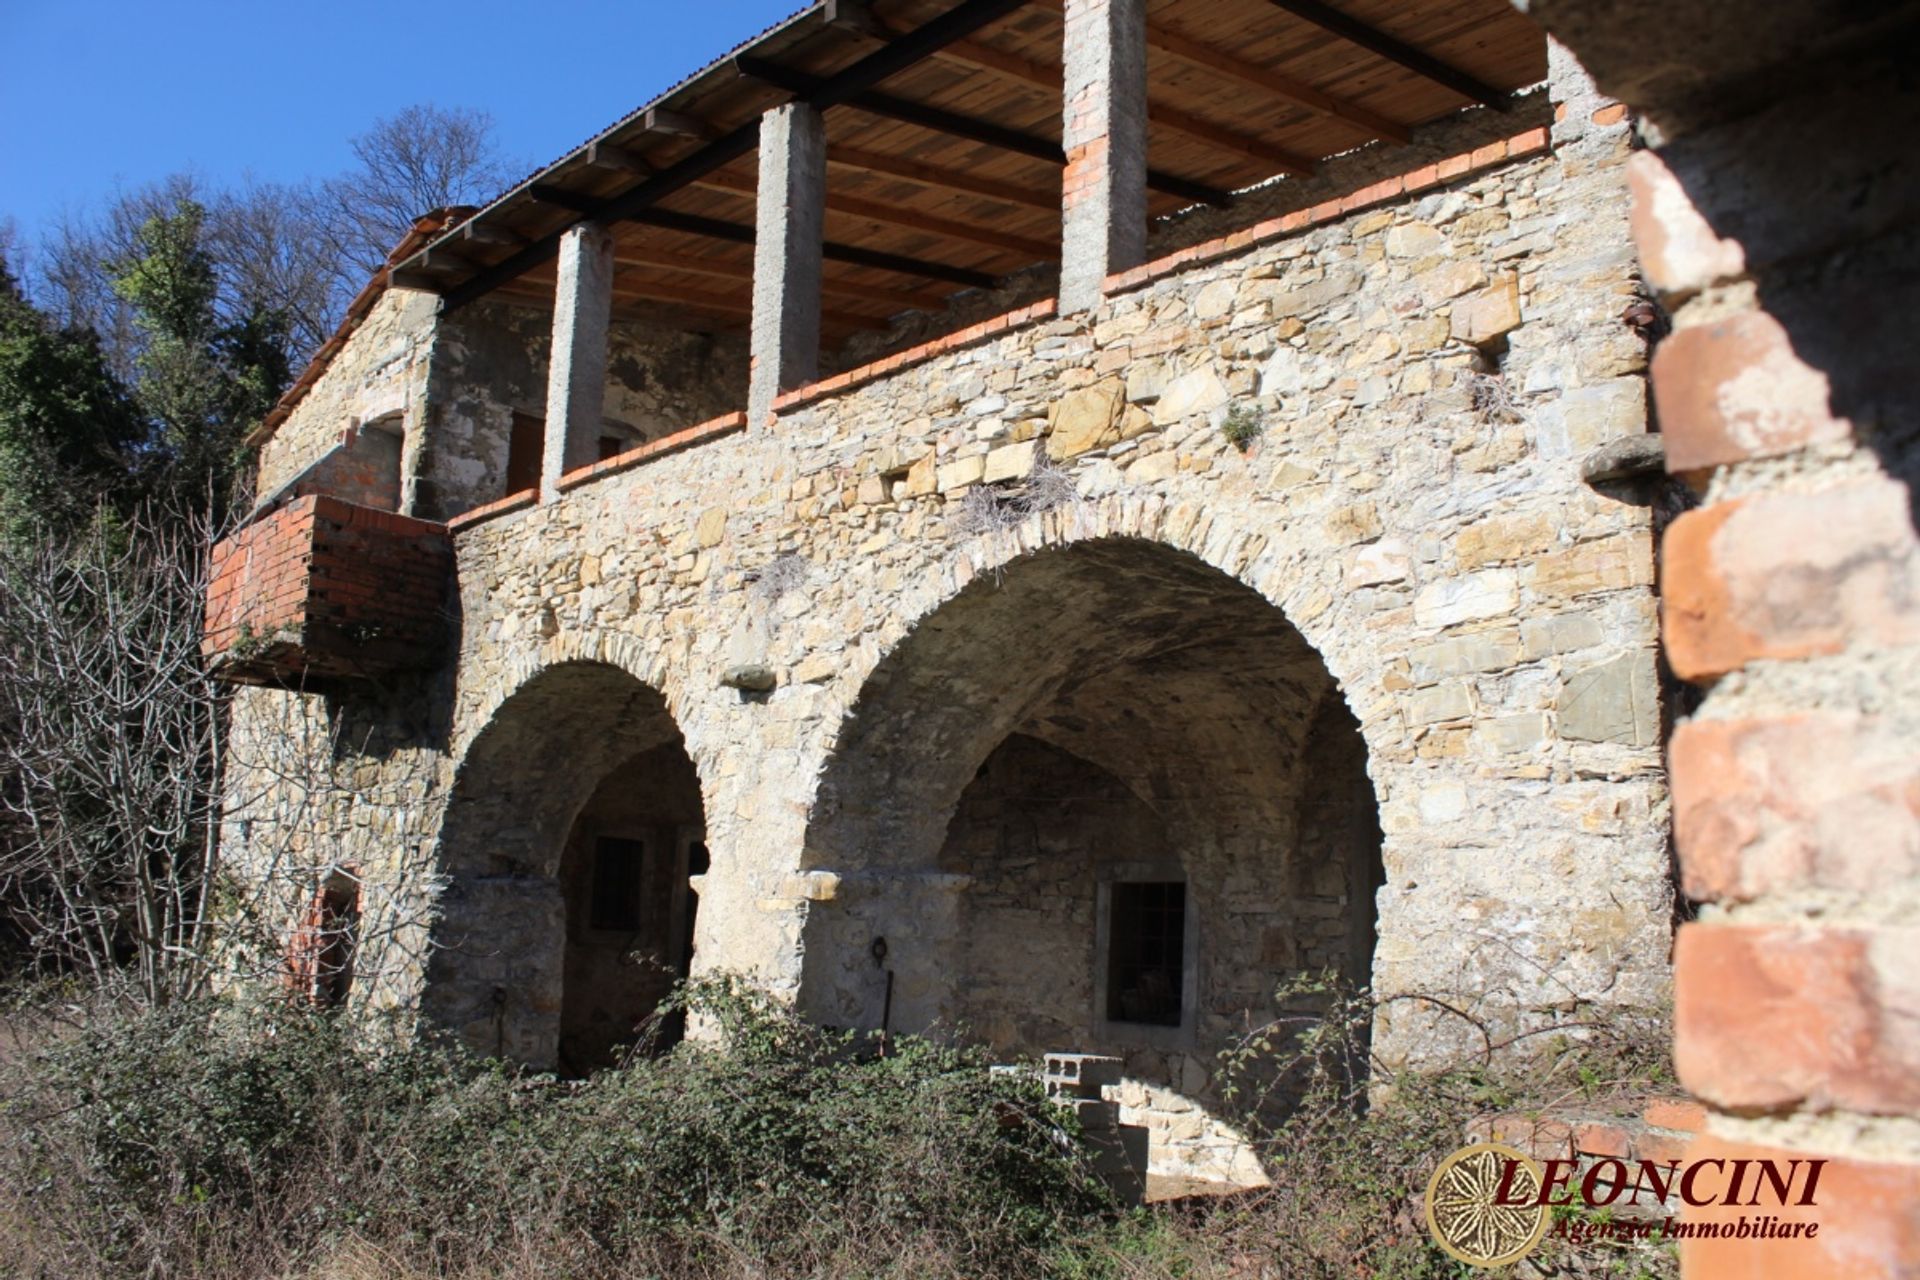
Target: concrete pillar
[[577, 373], [1103, 197], [789, 225]]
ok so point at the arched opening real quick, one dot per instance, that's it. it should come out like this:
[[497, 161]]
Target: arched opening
[[1104, 802], [574, 827]]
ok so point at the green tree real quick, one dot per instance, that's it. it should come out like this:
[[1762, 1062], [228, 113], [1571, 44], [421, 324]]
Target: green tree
[[205, 378], [70, 433]]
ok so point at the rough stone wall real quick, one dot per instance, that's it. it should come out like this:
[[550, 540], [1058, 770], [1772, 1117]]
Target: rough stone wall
[[613, 980], [490, 361], [1410, 523], [1776, 217], [1032, 833], [381, 371]]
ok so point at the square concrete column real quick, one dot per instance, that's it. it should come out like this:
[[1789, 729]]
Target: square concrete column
[[790, 217], [577, 372], [1103, 197]]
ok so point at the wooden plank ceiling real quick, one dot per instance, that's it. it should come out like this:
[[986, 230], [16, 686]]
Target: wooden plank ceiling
[[944, 167]]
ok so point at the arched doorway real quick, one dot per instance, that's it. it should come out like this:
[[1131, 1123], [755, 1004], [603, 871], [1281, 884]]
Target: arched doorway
[[575, 824], [1105, 801]]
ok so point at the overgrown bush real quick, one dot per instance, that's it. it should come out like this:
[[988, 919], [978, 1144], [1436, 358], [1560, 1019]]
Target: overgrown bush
[[1350, 1147], [229, 1140], [206, 1138]]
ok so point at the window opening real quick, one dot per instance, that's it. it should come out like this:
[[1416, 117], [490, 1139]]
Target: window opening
[[1146, 955], [617, 868]]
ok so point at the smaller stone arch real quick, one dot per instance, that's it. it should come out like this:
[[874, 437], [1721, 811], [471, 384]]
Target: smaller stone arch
[[574, 823]]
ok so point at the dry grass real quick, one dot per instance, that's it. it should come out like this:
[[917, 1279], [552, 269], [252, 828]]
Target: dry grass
[[138, 1148]]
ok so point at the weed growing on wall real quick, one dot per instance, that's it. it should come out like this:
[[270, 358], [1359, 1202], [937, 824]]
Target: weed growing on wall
[[1242, 427]]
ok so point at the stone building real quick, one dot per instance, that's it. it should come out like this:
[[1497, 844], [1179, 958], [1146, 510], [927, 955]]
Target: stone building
[[792, 535]]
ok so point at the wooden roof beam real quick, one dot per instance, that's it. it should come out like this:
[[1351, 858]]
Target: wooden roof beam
[[955, 24], [731, 305], [743, 272], [898, 216], [1418, 61], [1276, 84], [1221, 138], [604, 155], [940, 120], [1011, 66], [492, 233], [739, 233], [927, 175], [677, 124], [537, 294]]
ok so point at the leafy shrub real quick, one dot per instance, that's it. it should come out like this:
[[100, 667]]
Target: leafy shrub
[[774, 1139], [217, 1140]]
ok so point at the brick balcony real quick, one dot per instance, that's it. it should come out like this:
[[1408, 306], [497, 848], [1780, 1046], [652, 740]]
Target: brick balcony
[[321, 589]]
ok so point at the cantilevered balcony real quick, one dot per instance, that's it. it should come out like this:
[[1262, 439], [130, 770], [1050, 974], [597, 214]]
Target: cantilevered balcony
[[320, 589]]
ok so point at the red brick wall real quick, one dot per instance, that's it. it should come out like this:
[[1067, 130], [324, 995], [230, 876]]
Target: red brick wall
[[1775, 221], [320, 587]]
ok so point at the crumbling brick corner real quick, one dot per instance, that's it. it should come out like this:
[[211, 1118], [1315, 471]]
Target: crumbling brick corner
[[322, 588]]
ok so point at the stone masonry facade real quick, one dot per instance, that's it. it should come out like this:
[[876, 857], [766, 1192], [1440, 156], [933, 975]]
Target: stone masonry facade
[[1271, 575]]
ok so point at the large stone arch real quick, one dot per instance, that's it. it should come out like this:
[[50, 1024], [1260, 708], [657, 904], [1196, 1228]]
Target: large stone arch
[[1090, 723], [578, 761]]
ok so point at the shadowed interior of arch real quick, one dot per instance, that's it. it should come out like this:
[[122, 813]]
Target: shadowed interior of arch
[[1104, 802], [574, 825]]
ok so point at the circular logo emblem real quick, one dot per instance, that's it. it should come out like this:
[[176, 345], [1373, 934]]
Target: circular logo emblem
[[1464, 1212]]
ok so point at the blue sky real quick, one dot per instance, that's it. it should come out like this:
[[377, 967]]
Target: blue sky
[[96, 93]]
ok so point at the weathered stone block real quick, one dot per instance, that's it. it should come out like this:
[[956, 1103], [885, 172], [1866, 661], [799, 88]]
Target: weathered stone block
[[1504, 538], [1387, 560], [1489, 314], [1009, 462], [1216, 300], [1198, 392], [1561, 633], [1449, 280], [1486, 651], [1616, 701], [1083, 420], [922, 477], [1584, 418], [1515, 734], [961, 473], [1414, 240], [1441, 702], [1487, 594], [1607, 564], [1358, 522], [1285, 301], [1146, 380]]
